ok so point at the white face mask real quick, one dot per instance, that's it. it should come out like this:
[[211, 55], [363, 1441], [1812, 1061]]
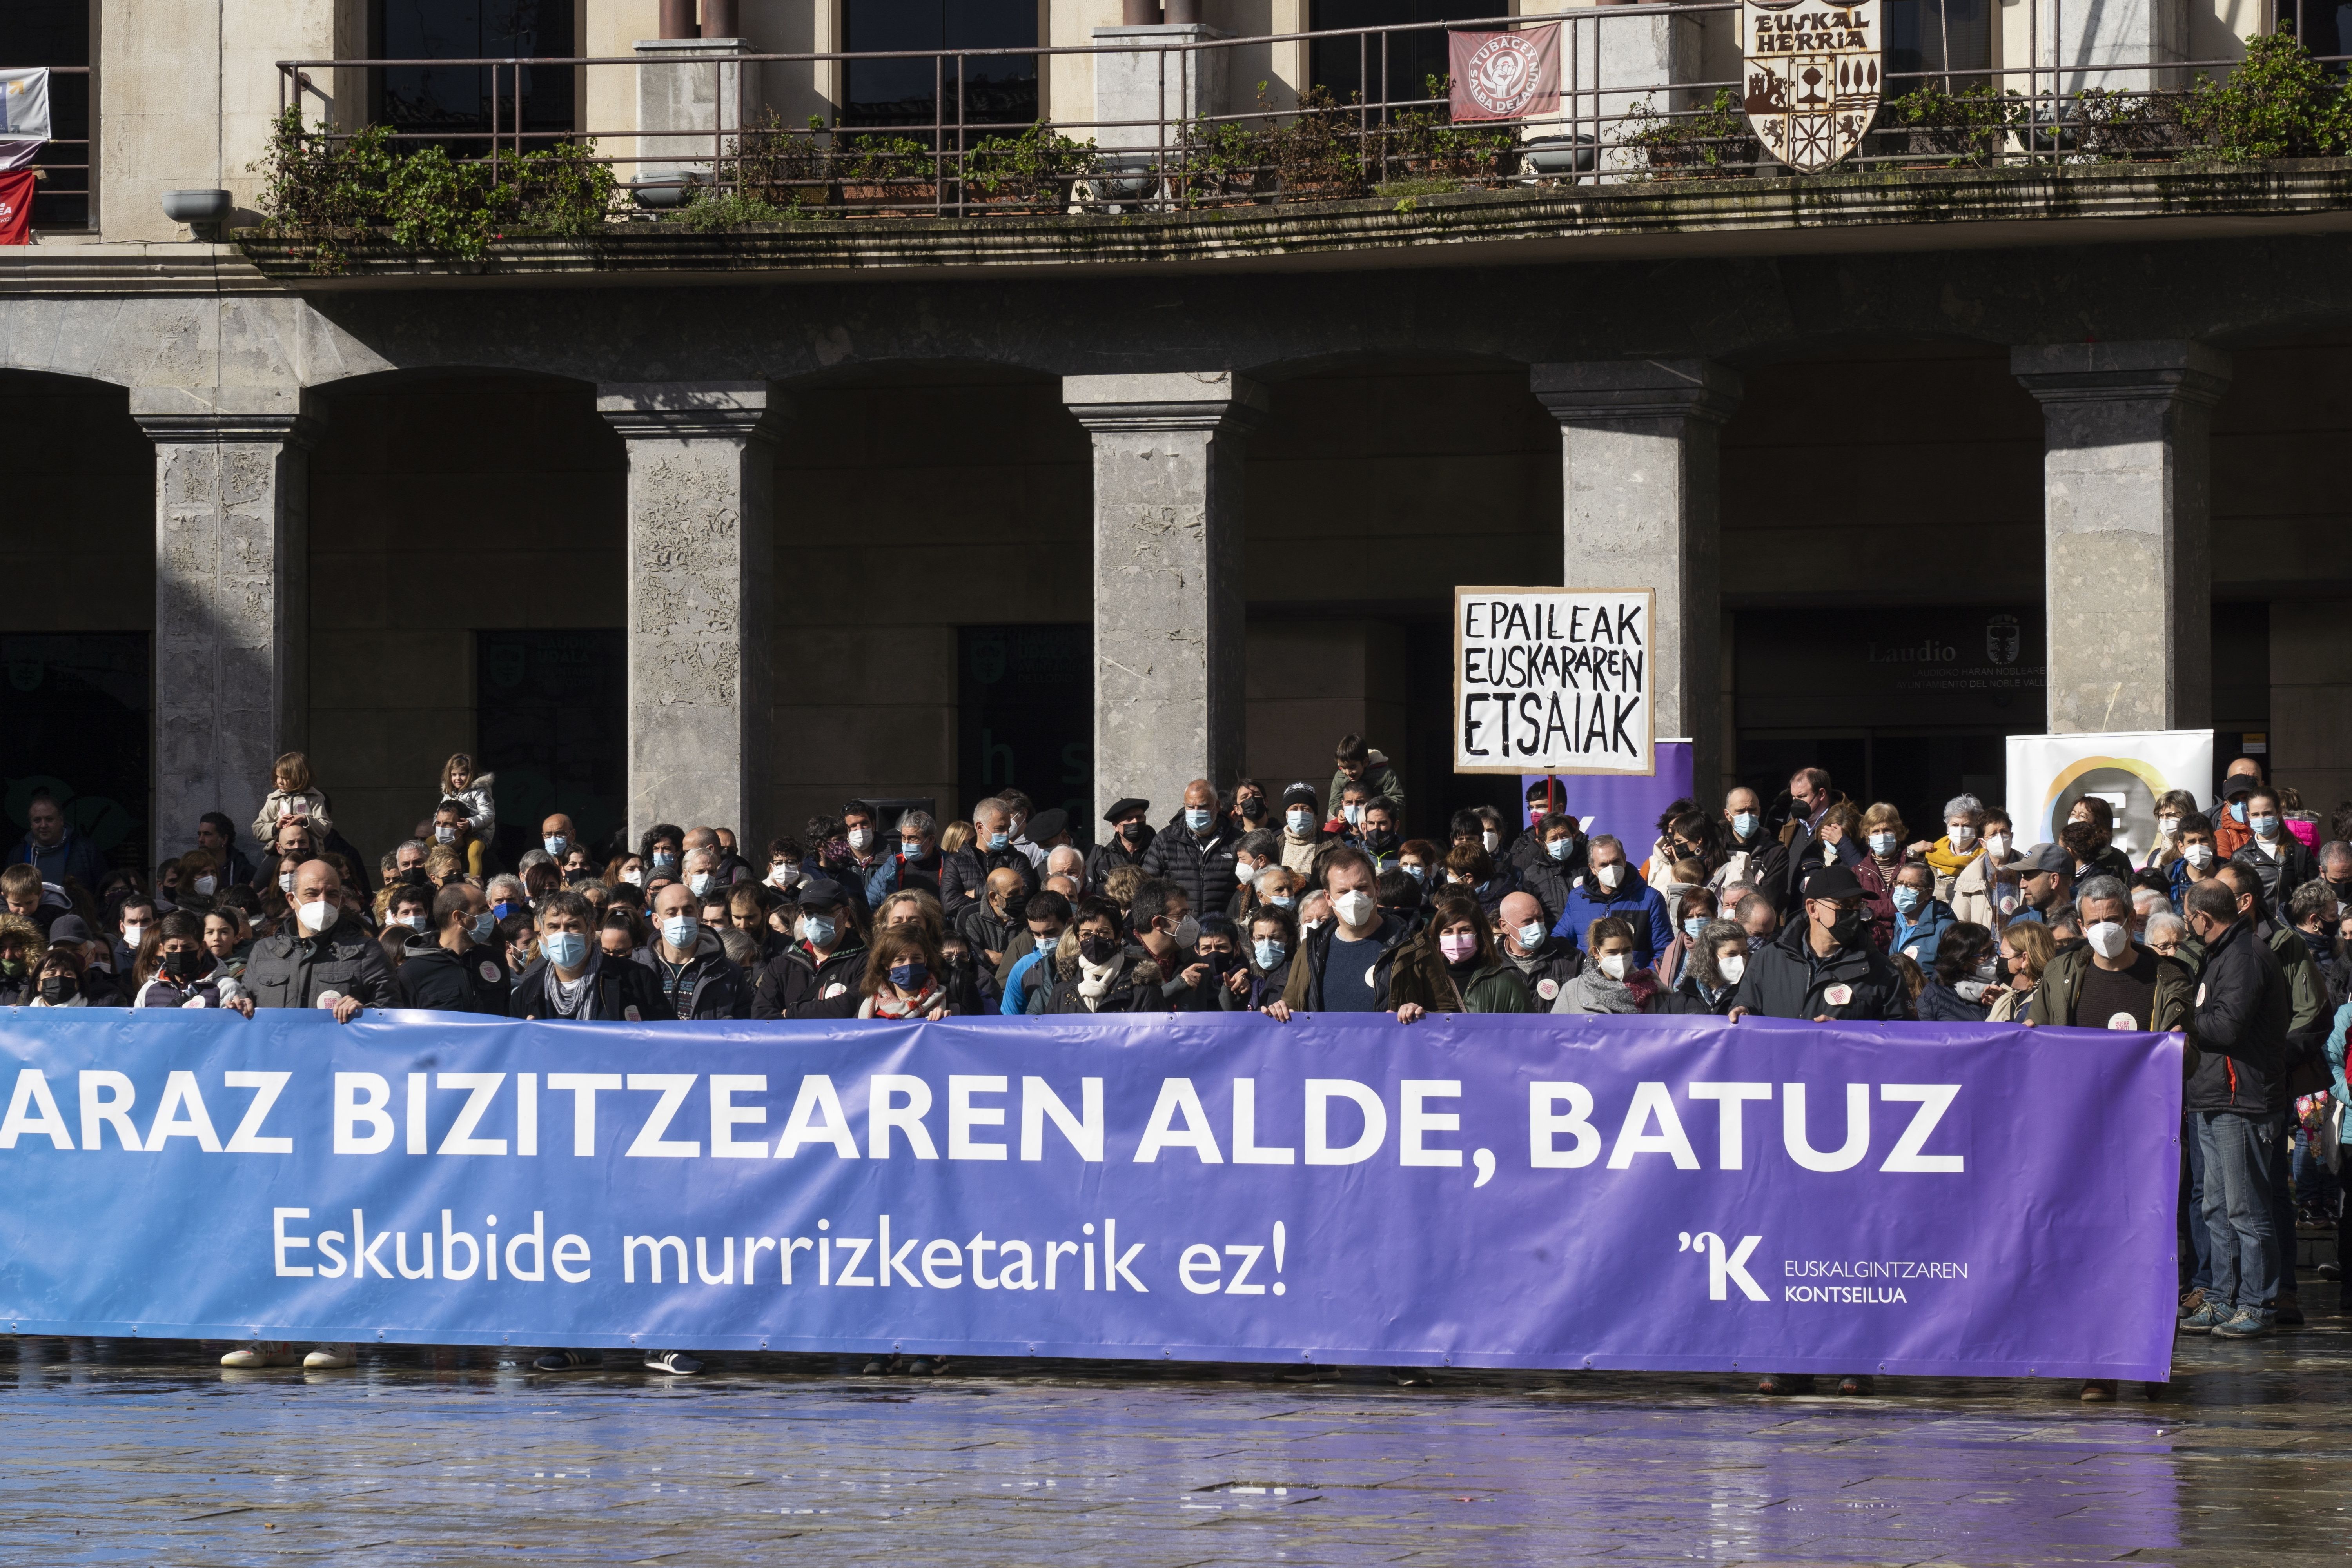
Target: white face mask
[[1187, 933], [1352, 813], [1354, 907], [1733, 968], [1609, 876], [205, 886], [1997, 845], [780, 875], [2107, 938], [1614, 966], [285, 881], [1493, 841], [132, 935], [2198, 855], [316, 916], [2167, 825], [1962, 835], [1300, 821], [1882, 844], [445, 834], [861, 839], [700, 883]]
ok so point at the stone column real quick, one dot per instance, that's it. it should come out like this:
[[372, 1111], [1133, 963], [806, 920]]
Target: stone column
[[701, 552], [2127, 556], [232, 612], [1168, 594], [1639, 503]]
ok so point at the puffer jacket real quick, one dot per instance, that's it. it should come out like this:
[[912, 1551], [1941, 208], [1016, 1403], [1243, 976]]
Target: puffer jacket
[[1135, 987], [1782, 982], [1201, 864]]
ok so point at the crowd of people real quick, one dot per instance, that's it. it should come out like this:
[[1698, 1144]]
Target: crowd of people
[[2229, 926]]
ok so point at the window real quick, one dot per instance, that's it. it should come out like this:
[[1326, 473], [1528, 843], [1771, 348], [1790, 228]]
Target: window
[[452, 101], [1340, 66], [1925, 36], [55, 33], [999, 90]]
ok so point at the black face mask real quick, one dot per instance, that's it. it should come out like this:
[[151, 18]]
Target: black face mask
[[180, 965], [1379, 838], [1097, 949], [1850, 927], [1253, 810], [57, 989]]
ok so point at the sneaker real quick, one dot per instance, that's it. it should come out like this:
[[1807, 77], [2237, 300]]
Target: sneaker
[[2099, 1391], [2287, 1309], [920, 1367], [676, 1361], [1855, 1386], [2190, 1300], [2205, 1319], [1786, 1383], [561, 1361], [332, 1358], [261, 1352], [2331, 1269], [2246, 1324]]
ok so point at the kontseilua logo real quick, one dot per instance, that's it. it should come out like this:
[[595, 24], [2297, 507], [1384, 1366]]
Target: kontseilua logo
[[1723, 1271]]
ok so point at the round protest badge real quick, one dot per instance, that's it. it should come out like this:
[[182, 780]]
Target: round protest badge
[[1548, 988], [1912, 952], [1838, 996], [2200, 995], [490, 972], [328, 998], [1372, 978], [834, 990], [195, 1002], [2122, 1021], [633, 1013]]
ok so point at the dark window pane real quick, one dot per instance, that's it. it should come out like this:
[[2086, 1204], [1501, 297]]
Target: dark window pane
[[552, 710], [77, 707], [997, 91], [1918, 34], [1341, 65], [452, 101], [1025, 711], [55, 33]]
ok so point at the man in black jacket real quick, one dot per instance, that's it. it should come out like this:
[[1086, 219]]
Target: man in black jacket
[[323, 958], [1131, 835], [690, 963], [454, 967], [825, 964], [2233, 1099], [1823, 966], [1543, 961], [1196, 852], [963, 874], [575, 979]]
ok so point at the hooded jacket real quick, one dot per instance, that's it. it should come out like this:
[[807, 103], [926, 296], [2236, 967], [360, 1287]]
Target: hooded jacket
[[2240, 1026], [288, 970], [1785, 980], [1921, 938], [798, 978], [71, 855], [1380, 779]]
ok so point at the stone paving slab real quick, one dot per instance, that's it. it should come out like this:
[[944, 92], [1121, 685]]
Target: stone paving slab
[[134, 1452]]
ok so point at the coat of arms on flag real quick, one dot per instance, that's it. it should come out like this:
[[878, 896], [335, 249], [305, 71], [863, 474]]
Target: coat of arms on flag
[[1813, 75]]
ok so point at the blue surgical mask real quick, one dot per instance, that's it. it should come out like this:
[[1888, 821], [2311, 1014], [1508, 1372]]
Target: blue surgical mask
[[1416, 870], [1284, 902], [1744, 824], [700, 882], [564, 949], [1558, 849], [1269, 953], [665, 860], [502, 908], [1353, 812], [486, 925], [1693, 925], [910, 976], [1881, 844], [817, 931], [556, 844], [1908, 900], [1300, 821], [2265, 826], [1196, 817], [2238, 810], [679, 932], [999, 841]]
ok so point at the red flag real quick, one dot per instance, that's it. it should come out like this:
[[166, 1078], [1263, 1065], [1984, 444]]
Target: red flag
[[17, 208], [1506, 76]]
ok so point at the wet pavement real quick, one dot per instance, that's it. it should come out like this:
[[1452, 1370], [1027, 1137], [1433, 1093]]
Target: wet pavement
[[124, 1452]]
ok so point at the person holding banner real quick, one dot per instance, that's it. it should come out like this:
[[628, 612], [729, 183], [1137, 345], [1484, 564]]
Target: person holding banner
[[322, 957], [1824, 966], [1101, 971], [574, 978], [1543, 961], [1453, 967], [1346, 965]]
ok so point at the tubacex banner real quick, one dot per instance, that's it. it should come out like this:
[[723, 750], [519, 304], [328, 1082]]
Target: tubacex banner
[[1466, 1190]]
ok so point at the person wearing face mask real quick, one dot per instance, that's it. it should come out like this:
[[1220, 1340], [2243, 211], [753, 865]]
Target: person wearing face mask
[[1608, 889], [178, 973], [1100, 971], [1684, 834], [410, 906], [453, 829], [1130, 817], [1255, 852], [1920, 918], [2109, 980], [2276, 855], [903, 979], [1345, 964], [1470, 870], [1026, 976], [2230, 811], [1361, 764], [663, 851], [967, 875], [1252, 811], [1611, 981], [1965, 979], [1305, 846], [915, 866], [321, 956], [1986, 890], [2198, 857], [2335, 859], [57, 980], [1377, 835], [1196, 852], [826, 963], [989, 922], [1557, 865], [1824, 967], [558, 836], [1273, 937], [1544, 962], [133, 918], [458, 964], [2172, 808], [1810, 799], [698, 979], [2089, 836], [1042, 835], [1961, 845], [1717, 963], [1454, 966]]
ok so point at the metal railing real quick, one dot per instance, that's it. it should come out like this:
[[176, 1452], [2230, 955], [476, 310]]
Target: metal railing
[[50, 191], [1187, 152]]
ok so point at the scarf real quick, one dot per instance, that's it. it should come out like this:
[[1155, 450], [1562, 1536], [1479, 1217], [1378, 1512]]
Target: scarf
[[1947, 861], [1094, 979], [1597, 993], [889, 1004]]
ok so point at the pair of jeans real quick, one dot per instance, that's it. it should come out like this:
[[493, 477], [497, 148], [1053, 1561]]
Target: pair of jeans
[[2240, 1155], [2197, 1257], [2283, 1200]]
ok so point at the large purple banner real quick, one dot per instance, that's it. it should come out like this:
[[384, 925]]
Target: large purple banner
[[1466, 1190]]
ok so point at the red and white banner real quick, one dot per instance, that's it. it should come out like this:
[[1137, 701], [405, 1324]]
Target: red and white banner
[[17, 208], [1505, 76]]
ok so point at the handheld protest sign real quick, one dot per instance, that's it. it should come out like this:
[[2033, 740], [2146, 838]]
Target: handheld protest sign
[[1554, 680]]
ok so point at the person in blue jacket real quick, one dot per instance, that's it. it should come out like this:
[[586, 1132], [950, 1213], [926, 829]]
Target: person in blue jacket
[[1920, 918], [1607, 888], [54, 849]]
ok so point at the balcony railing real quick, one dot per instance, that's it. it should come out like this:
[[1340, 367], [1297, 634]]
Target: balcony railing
[[1614, 123]]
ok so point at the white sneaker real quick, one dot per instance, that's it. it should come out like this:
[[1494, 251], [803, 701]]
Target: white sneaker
[[261, 1352], [673, 1361], [331, 1357]]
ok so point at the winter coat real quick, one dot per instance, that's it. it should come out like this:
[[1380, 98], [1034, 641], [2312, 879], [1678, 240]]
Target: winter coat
[[287, 969], [1112, 853], [71, 855], [1635, 902], [1380, 779], [1784, 982], [1920, 938], [1940, 1003], [1546, 970], [2280, 874], [1135, 985], [1694, 990], [621, 990], [964, 876], [314, 803], [1976, 895], [1203, 864], [435, 980], [715, 988], [2056, 998], [481, 800], [894, 873], [800, 978], [2243, 1007], [1762, 864], [1549, 882], [1422, 976], [1303, 991], [213, 990]]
